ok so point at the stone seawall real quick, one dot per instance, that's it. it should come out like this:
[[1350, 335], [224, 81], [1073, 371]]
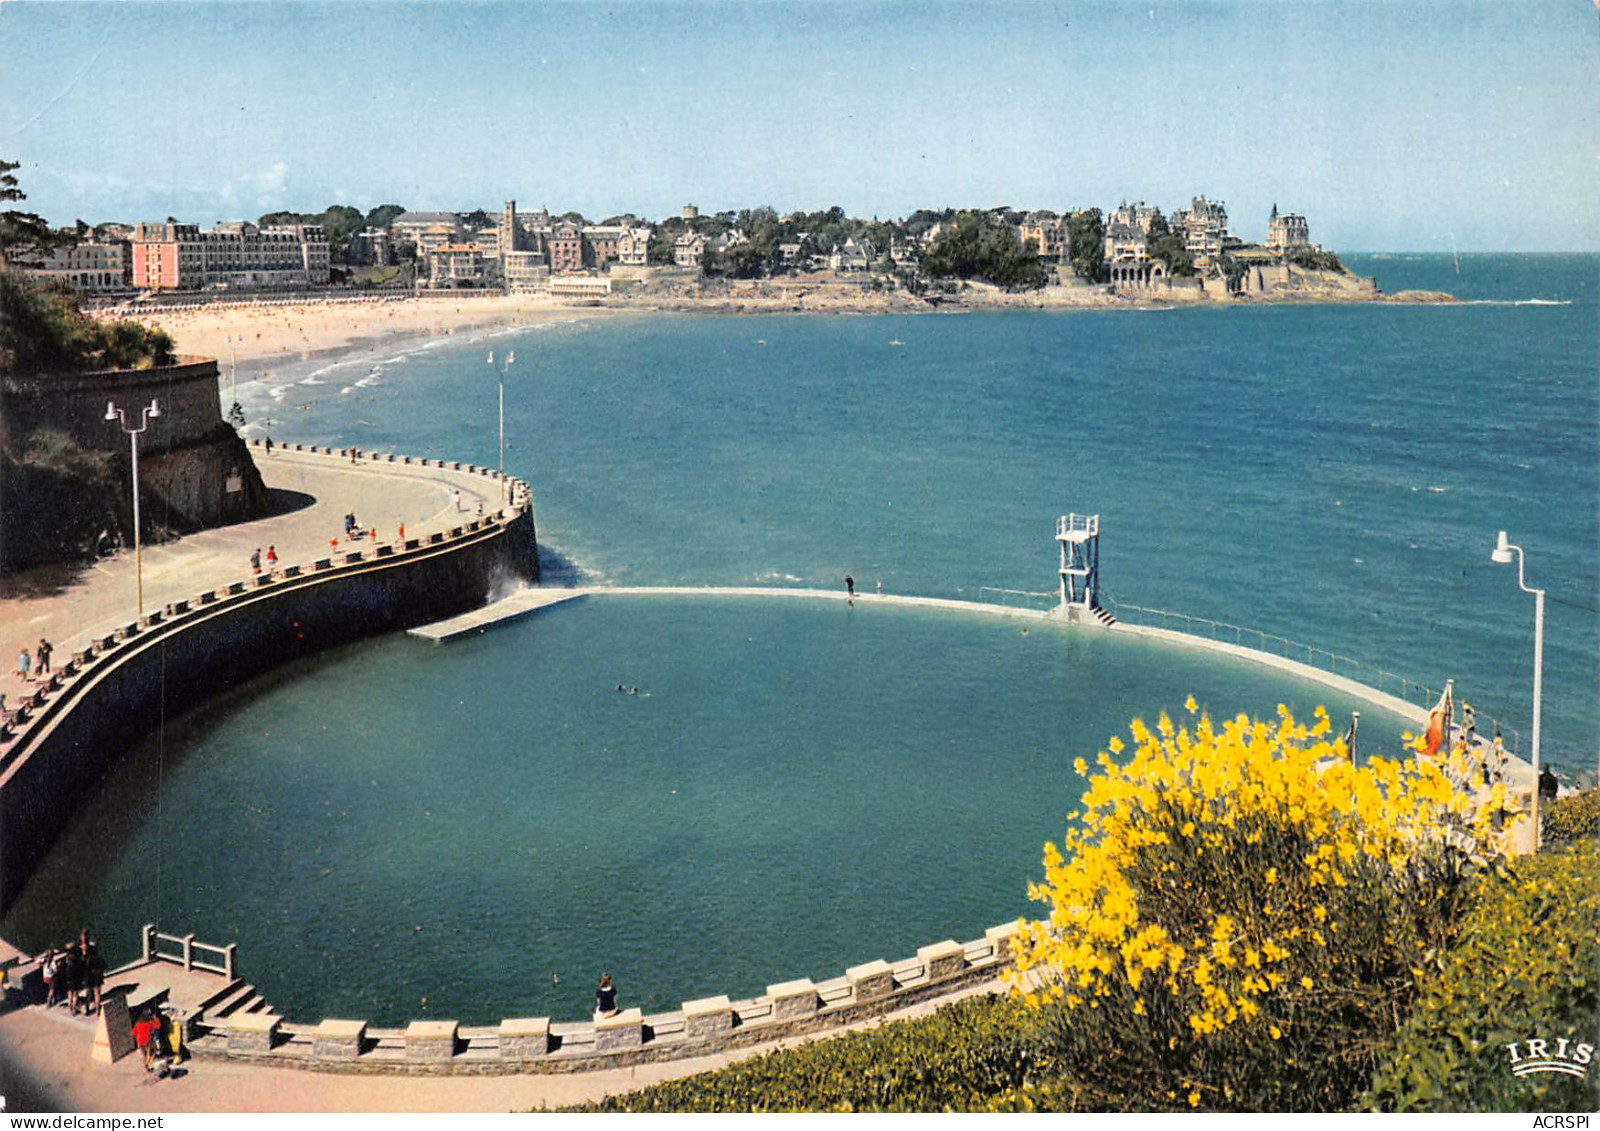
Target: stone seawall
[[109, 695]]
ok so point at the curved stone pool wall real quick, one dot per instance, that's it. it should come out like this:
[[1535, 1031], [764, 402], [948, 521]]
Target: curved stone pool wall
[[538, 1045], [131, 677]]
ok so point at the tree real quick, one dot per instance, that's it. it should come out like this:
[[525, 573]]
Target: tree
[[383, 215], [1087, 233], [1170, 250], [477, 218], [24, 236], [339, 223], [661, 241], [980, 246]]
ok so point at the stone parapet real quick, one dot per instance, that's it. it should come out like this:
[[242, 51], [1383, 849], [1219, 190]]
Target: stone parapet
[[338, 1040], [622, 1030], [524, 1038], [707, 1018], [791, 1000], [253, 1032], [431, 1040]]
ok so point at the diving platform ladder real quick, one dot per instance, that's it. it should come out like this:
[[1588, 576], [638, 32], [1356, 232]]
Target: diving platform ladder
[[1079, 539]]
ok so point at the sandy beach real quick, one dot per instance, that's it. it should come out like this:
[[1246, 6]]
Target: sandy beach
[[257, 335], [263, 334]]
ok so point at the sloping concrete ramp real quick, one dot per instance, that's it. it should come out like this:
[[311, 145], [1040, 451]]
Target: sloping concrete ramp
[[509, 608]]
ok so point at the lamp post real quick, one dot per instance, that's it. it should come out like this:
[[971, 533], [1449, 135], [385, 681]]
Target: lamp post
[[1502, 556], [511, 358], [146, 415]]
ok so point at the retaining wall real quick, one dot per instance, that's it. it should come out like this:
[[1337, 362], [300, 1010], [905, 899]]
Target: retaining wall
[[536, 1045], [107, 696]]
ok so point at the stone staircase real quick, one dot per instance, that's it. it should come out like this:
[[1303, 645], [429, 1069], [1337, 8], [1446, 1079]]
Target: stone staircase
[[234, 999]]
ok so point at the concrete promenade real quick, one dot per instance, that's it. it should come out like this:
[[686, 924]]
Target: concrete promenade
[[45, 1065], [69, 605]]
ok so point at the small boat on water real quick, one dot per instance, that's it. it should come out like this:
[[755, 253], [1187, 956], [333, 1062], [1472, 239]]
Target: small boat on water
[[896, 342]]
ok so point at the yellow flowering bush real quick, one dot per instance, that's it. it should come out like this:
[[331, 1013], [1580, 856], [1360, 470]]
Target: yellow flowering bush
[[1241, 918]]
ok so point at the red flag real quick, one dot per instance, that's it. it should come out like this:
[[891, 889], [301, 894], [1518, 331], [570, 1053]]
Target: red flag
[[1438, 724]]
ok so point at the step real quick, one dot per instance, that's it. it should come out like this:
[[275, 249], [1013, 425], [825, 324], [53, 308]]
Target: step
[[233, 1004], [221, 995]]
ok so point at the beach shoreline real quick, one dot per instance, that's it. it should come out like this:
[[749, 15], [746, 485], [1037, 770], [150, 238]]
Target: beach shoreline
[[256, 335]]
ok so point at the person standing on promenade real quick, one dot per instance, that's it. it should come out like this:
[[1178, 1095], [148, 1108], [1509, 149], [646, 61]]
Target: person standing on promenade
[[269, 445], [255, 560], [272, 559], [43, 654], [402, 532], [94, 973], [605, 997], [1548, 786], [850, 586], [25, 665], [455, 499]]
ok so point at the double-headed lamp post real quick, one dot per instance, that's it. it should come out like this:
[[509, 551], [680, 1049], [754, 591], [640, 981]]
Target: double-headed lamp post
[[501, 373], [1502, 556], [146, 415]]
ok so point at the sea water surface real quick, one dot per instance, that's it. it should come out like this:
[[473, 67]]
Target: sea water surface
[[468, 823]]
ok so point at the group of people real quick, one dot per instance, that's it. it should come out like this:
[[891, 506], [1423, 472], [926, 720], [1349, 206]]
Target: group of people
[[34, 664], [73, 974], [272, 560], [158, 1042]]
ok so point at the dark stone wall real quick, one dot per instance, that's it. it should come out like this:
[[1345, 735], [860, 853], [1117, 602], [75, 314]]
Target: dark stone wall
[[61, 496], [174, 666]]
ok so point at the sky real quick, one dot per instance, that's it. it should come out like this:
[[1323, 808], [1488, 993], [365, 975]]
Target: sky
[[1436, 126]]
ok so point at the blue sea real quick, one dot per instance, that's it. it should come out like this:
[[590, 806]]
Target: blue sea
[[799, 786]]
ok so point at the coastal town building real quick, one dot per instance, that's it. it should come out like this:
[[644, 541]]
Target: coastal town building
[[564, 248], [1137, 215], [633, 249], [904, 253], [602, 244], [174, 256], [1042, 233], [370, 247], [488, 241], [508, 234], [690, 212], [408, 227], [789, 254], [438, 235], [580, 286], [853, 255], [1125, 241], [1287, 232], [525, 271], [93, 268], [688, 249], [454, 264], [1136, 274], [1204, 228]]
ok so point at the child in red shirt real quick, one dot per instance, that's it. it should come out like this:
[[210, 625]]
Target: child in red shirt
[[144, 1035]]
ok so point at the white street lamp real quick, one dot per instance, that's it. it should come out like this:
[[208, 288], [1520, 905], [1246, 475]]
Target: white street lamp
[[501, 373], [146, 415], [1502, 556]]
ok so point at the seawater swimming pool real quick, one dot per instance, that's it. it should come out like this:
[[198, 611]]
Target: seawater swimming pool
[[798, 786]]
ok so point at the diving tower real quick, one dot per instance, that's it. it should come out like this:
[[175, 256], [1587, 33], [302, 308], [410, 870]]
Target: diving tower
[[1079, 538]]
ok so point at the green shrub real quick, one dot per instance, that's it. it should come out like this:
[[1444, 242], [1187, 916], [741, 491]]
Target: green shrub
[[1524, 967], [963, 1057], [1573, 817]]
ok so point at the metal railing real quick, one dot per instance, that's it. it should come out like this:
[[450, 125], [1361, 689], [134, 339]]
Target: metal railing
[[1017, 598], [1370, 675]]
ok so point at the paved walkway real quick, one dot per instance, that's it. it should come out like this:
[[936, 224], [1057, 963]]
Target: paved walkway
[[45, 1065], [71, 605]]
